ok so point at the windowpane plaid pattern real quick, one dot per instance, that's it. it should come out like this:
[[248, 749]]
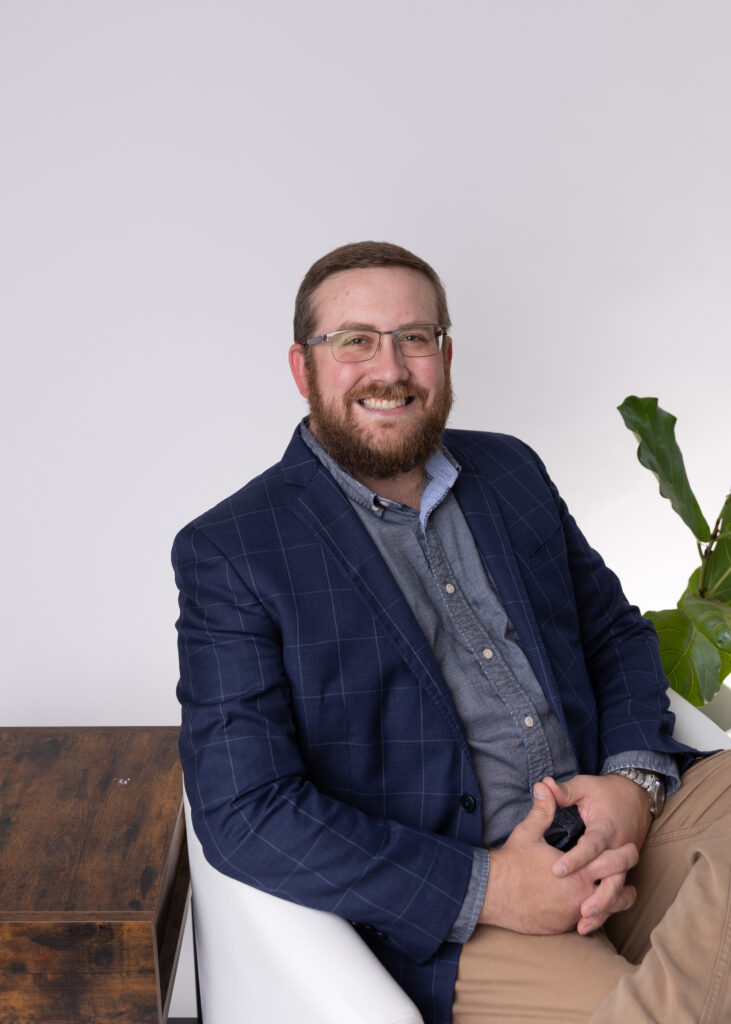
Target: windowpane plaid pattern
[[323, 756]]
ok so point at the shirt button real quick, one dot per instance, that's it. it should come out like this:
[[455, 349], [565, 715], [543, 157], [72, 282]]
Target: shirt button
[[529, 721], [487, 654], [467, 802], [449, 587]]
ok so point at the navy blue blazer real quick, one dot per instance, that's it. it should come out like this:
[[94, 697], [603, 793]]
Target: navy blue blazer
[[324, 759]]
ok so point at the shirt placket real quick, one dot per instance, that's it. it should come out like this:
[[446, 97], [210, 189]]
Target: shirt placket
[[491, 663]]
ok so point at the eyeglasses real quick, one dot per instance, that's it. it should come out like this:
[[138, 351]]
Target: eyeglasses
[[354, 346]]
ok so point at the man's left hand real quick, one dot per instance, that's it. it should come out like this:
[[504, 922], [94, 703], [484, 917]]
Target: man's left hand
[[616, 813]]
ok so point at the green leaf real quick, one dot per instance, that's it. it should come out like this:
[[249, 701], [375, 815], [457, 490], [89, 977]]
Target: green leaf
[[659, 452], [717, 582], [725, 666], [712, 619], [690, 660]]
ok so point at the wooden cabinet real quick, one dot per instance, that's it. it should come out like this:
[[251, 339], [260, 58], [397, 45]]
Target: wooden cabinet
[[93, 874]]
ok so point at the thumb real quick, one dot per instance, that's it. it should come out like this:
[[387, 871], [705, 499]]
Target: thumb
[[542, 812], [562, 792]]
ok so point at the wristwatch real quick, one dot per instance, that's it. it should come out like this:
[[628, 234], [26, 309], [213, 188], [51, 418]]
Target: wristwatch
[[650, 782]]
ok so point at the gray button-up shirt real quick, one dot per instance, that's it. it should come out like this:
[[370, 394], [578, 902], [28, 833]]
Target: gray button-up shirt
[[515, 737]]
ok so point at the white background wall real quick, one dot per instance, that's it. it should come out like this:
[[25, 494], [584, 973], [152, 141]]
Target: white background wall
[[171, 168]]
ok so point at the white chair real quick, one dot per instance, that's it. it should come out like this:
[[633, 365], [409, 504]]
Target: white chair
[[263, 960], [694, 728]]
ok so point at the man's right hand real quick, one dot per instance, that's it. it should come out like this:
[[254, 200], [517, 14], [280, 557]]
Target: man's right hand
[[524, 895]]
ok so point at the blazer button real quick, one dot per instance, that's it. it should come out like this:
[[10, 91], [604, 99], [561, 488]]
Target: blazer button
[[467, 802]]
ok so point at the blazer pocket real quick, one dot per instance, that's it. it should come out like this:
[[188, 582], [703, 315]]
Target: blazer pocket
[[547, 556], [548, 581]]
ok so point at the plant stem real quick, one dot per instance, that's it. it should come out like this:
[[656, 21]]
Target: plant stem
[[705, 554]]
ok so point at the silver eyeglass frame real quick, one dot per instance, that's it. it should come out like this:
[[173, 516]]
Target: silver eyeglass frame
[[440, 333]]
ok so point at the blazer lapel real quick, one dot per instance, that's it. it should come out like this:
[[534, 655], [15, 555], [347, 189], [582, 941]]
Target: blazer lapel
[[318, 502]]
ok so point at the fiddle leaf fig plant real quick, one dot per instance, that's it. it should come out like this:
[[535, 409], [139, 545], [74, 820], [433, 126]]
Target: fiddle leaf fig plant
[[695, 636]]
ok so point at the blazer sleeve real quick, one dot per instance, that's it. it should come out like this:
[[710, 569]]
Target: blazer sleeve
[[620, 650], [258, 816]]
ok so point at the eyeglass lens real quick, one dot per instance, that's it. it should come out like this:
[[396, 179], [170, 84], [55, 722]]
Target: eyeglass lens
[[413, 342]]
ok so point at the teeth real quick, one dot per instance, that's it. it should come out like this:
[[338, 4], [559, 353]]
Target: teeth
[[382, 403]]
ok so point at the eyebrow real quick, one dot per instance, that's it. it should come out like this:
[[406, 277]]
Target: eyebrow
[[351, 325]]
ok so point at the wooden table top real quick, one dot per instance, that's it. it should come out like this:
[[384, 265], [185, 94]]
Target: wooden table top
[[88, 817]]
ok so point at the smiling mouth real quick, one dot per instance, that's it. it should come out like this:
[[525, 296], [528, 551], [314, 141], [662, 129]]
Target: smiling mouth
[[385, 403]]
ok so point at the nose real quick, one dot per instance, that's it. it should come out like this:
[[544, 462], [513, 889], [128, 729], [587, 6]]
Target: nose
[[388, 362]]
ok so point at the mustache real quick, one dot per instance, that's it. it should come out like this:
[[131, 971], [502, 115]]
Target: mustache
[[386, 392]]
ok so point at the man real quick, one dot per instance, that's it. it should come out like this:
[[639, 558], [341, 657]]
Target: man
[[408, 685]]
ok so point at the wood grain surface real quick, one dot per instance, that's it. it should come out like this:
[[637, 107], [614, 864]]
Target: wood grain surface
[[93, 874]]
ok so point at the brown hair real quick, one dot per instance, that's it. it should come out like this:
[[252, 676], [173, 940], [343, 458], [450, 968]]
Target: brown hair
[[355, 256]]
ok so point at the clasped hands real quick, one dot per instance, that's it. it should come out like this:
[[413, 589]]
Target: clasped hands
[[536, 889]]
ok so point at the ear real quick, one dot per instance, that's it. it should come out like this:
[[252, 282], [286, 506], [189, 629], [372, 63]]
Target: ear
[[299, 371], [447, 351]]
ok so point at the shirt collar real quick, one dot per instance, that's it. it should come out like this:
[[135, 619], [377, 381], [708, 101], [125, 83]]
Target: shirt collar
[[441, 472]]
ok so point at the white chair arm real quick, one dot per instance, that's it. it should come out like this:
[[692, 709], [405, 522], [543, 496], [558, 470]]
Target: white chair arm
[[695, 728], [263, 960]]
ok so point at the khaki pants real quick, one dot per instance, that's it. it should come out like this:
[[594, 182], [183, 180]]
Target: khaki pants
[[667, 960]]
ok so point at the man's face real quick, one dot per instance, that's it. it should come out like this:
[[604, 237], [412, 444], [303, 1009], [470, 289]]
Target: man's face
[[347, 413]]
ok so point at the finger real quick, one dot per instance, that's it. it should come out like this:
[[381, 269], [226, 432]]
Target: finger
[[571, 792], [541, 814], [561, 792], [606, 897], [587, 925], [590, 846], [612, 862], [612, 867], [592, 917]]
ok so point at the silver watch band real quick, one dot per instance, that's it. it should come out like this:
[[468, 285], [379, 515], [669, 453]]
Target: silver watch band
[[650, 782]]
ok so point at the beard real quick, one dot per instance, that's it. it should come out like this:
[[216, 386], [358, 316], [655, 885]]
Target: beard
[[397, 452]]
